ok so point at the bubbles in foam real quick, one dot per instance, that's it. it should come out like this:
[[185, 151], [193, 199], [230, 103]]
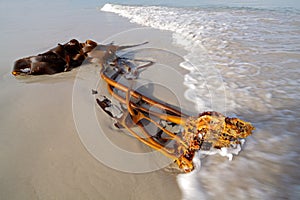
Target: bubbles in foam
[[189, 183], [107, 8]]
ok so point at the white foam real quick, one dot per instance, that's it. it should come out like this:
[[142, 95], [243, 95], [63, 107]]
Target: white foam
[[222, 39], [107, 8], [191, 32], [225, 152], [190, 184], [251, 56]]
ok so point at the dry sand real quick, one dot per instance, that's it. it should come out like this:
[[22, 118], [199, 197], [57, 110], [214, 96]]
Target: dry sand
[[41, 155]]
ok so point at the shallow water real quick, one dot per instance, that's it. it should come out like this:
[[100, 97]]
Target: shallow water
[[243, 62]]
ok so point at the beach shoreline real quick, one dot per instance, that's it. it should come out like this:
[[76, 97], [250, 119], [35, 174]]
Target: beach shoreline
[[240, 59]]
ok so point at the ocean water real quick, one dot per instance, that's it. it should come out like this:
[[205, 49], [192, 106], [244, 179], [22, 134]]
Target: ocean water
[[266, 4], [243, 58]]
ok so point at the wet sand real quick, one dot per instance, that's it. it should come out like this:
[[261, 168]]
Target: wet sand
[[41, 154]]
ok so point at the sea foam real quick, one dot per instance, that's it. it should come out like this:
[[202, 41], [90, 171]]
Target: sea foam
[[241, 60]]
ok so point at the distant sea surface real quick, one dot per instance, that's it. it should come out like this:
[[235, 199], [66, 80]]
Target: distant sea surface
[[266, 4]]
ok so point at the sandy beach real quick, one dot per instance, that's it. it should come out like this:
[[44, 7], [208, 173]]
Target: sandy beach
[[41, 155], [234, 57]]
